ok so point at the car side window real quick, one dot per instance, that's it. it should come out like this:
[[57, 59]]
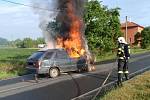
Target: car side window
[[48, 55], [61, 55]]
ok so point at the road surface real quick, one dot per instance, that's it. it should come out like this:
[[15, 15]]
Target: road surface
[[66, 86]]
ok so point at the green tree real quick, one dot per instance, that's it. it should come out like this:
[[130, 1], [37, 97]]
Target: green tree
[[40, 41], [18, 43], [136, 37], [27, 43], [3, 41], [102, 26], [145, 38]]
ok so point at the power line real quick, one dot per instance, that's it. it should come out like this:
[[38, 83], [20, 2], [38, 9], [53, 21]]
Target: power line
[[17, 3]]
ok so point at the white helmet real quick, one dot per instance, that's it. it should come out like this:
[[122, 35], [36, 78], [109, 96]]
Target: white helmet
[[122, 40]]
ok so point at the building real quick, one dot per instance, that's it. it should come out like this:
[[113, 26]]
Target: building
[[132, 28]]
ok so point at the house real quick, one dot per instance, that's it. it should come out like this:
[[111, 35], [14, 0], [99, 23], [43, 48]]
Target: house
[[132, 30]]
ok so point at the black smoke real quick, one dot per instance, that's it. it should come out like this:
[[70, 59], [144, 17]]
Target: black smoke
[[65, 20]]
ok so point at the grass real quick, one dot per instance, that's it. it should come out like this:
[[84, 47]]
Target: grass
[[136, 89], [5, 75], [112, 55], [13, 61]]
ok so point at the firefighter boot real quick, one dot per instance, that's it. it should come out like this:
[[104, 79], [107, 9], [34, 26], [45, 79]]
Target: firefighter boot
[[126, 76], [119, 79]]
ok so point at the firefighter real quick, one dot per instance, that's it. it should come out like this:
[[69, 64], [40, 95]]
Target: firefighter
[[123, 55]]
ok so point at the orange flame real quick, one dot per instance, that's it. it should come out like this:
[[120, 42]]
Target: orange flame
[[73, 44]]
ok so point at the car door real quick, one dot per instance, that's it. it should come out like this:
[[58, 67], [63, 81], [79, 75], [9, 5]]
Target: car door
[[46, 62], [63, 61]]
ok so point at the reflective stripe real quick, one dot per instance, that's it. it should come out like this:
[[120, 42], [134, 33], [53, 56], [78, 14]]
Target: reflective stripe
[[119, 53], [119, 49], [126, 72], [121, 57], [120, 71], [129, 49]]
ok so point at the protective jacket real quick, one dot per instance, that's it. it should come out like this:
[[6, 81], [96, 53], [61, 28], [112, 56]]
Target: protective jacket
[[123, 51]]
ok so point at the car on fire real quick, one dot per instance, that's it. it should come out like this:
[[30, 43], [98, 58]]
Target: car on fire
[[55, 61]]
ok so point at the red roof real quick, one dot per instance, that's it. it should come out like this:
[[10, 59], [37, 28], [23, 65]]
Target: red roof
[[130, 24]]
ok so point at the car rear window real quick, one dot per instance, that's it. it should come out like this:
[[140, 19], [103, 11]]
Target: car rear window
[[37, 55]]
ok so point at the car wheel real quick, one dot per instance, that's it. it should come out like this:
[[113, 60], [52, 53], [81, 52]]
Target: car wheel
[[54, 72]]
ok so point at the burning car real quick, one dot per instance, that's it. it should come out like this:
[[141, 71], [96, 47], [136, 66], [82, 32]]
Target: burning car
[[54, 62], [62, 27]]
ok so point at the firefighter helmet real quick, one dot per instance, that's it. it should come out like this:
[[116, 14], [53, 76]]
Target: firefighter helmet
[[122, 40]]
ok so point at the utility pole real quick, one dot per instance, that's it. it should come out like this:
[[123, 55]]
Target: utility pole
[[126, 33]]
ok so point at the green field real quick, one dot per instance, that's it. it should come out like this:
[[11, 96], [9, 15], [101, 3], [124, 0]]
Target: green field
[[13, 61], [136, 89]]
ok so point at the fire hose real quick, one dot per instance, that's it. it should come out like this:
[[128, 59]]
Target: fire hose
[[100, 88]]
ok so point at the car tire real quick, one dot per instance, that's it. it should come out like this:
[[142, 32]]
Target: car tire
[[54, 72]]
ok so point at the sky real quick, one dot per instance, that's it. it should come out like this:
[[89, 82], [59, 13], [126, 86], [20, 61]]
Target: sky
[[136, 10], [17, 21]]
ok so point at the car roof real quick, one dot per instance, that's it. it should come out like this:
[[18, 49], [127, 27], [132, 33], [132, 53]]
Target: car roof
[[51, 50]]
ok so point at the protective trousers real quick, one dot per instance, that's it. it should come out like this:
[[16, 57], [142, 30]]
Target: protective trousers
[[122, 68]]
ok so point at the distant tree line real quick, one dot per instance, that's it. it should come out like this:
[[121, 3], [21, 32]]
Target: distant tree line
[[3, 41], [26, 43]]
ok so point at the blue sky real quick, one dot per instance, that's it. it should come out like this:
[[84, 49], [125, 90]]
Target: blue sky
[[19, 22], [136, 10]]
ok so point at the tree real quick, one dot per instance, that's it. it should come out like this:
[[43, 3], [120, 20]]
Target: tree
[[18, 43], [145, 38], [3, 41], [40, 41], [102, 26], [136, 37], [27, 43]]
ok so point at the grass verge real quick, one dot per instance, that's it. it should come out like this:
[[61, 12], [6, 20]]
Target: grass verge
[[13, 61], [136, 89], [112, 55], [5, 75]]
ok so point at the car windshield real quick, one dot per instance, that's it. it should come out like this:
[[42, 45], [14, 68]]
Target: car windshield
[[37, 55]]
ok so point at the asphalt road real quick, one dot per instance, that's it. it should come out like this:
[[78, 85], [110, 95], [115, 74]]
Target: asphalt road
[[67, 86]]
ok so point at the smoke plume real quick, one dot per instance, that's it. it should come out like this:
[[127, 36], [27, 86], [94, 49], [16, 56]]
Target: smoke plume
[[62, 24], [47, 11]]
